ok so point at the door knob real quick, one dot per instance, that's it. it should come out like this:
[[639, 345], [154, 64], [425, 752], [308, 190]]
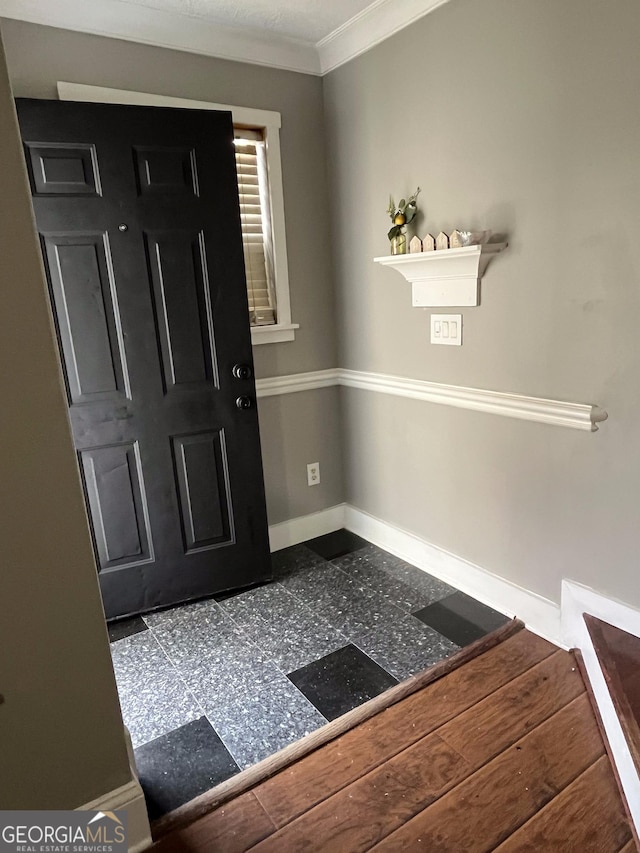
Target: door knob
[[242, 371], [244, 403]]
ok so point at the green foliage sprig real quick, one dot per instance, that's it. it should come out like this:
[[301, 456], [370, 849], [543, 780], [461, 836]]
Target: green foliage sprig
[[402, 213]]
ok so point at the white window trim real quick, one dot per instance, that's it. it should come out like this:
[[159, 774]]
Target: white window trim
[[284, 329]]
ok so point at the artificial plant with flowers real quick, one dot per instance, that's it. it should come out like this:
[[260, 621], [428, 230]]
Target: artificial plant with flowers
[[402, 213]]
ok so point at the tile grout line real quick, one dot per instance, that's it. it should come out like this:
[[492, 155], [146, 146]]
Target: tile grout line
[[247, 634]]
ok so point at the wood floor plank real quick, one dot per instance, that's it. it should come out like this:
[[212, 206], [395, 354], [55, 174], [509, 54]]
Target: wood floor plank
[[518, 707], [488, 806], [234, 828], [268, 767], [587, 816], [322, 773], [361, 814], [393, 793]]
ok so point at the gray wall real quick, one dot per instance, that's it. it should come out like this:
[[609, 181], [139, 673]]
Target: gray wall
[[303, 427], [518, 116], [61, 733], [38, 57]]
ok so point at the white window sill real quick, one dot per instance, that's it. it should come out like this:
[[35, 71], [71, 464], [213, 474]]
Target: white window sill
[[273, 334]]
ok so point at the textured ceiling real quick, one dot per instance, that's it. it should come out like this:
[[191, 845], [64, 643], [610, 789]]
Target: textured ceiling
[[309, 20]]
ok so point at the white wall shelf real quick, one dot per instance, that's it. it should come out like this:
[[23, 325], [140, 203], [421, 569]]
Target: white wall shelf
[[446, 277]]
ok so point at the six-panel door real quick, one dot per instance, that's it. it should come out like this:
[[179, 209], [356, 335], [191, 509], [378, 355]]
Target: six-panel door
[[137, 211]]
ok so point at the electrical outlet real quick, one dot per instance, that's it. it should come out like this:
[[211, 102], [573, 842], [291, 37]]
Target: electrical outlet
[[313, 473]]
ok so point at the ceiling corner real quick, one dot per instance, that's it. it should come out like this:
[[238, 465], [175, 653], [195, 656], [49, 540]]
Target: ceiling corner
[[376, 23]]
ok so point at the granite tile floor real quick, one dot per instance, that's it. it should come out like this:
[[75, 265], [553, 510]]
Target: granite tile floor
[[210, 688]]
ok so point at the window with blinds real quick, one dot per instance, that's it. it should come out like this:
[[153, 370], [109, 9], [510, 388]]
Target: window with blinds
[[257, 241]]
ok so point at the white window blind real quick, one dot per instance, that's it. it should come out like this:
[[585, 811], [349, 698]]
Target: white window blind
[[257, 239]]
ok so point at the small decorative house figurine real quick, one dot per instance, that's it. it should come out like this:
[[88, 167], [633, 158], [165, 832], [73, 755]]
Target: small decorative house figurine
[[455, 240], [442, 241], [428, 243], [415, 245]]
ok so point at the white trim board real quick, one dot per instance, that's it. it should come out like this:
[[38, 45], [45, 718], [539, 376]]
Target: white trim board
[[271, 121], [577, 600], [373, 25], [539, 614], [305, 527], [131, 798], [582, 416], [161, 28], [564, 626], [277, 385]]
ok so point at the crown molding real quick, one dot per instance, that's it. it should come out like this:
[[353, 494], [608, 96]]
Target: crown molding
[[373, 25], [144, 25], [130, 22]]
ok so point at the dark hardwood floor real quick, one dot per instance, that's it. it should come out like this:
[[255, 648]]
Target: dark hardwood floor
[[503, 753], [619, 656]]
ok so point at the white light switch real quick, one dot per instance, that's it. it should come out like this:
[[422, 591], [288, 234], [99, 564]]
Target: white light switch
[[446, 329]]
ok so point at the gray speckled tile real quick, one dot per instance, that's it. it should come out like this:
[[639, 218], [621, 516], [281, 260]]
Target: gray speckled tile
[[315, 583], [254, 724], [250, 609], [297, 643], [429, 588], [206, 609], [230, 672], [364, 570], [198, 632], [427, 585], [285, 629], [348, 605], [153, 697], [289, 561], [405, 648]]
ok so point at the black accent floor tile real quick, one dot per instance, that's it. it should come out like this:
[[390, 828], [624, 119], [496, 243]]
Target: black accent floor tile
[[125, 628], [461, 618], [336, 544], [179, 766], [341, 681]]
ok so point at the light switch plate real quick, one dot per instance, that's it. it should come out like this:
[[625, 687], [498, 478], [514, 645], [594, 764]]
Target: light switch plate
[[446, 329]]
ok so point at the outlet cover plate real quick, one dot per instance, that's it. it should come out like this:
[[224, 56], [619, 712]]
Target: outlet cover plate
[[313, 474], [446, 329]]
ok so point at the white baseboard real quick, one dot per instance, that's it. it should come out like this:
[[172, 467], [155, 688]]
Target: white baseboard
[[305, 527], [576, 601], [539, 614], [563, 626], [131, 798]]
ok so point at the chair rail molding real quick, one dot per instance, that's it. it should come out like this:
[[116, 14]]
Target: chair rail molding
[[582, 416], [275, 385]]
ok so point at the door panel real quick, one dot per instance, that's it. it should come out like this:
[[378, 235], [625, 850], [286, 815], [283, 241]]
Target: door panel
[[202, 475], [184, 324], [139, 220], [63, 169], [87, 315], [117, 504]]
